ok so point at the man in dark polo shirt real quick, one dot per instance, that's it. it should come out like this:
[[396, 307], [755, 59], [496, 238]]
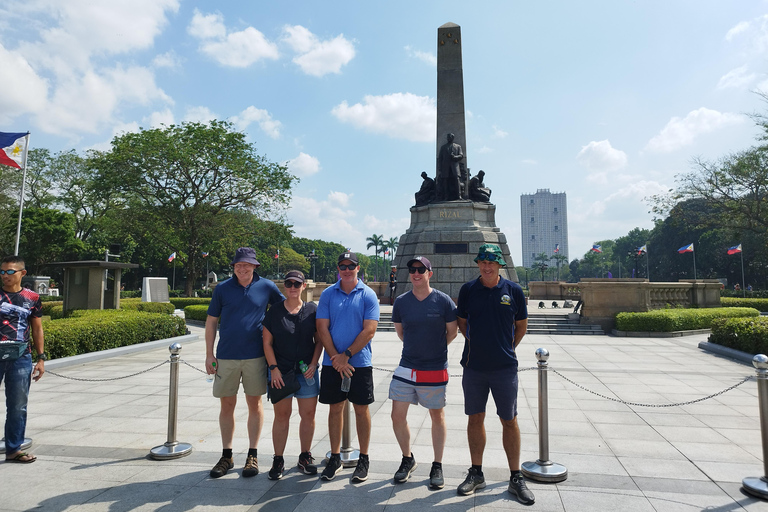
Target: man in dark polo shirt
[[240, 303], [493, 317]]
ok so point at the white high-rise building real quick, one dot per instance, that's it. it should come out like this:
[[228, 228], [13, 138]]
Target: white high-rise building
[[544, 225]]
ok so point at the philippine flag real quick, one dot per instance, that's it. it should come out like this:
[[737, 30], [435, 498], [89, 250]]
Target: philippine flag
[[596, 248], [557, 248], [642, 250], [685, 248], [736, 249], [205, 254], [172, 257], [13, 147]]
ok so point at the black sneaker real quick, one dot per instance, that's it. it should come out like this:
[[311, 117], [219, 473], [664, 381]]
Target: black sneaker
[[406, 468], [473, 482], [361, 471], [518, 488], [436, 480], [332, 468], [251, 466], [306, 463], [221, 467], [278, 465]]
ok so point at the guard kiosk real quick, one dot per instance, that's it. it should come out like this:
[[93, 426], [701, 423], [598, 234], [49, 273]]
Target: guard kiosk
[[87, 284]]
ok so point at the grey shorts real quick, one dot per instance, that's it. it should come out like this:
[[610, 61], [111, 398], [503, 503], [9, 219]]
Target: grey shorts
[[431, 397]]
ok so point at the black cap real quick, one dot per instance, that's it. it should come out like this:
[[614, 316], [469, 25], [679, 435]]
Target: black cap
[[348, 256], [245, 255], [421, 259], [294, 275]]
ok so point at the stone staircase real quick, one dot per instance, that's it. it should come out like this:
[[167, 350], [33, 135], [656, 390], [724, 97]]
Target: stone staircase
[[539, 323], [385, 322]]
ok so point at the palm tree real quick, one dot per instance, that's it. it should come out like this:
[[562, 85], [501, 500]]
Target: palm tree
[[392, 244], [375, 241], [541, 263], [559, 258]]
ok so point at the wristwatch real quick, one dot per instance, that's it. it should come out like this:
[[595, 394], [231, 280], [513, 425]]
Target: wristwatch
[[348, 353], [42, 357], [272, 367]]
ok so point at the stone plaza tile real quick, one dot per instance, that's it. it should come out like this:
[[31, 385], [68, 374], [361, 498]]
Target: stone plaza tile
[[662, 468]]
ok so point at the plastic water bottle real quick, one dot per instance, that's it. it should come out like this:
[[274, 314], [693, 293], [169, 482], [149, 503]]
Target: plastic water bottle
[[209, 376], [345, 383], [303, 367]]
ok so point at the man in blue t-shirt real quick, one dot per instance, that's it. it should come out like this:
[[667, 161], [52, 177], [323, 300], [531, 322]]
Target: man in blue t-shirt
[[347, 317], [425, 320], [493, 318], [240, 304]]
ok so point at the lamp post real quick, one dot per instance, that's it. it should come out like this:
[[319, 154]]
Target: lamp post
[[312, 257]]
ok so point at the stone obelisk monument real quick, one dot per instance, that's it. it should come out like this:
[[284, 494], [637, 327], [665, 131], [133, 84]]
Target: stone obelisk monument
[[448, 226]]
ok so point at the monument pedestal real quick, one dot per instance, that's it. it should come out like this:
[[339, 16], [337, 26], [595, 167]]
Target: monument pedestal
[[450, 234]]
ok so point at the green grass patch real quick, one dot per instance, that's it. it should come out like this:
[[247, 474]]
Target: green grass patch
[[668, 320]]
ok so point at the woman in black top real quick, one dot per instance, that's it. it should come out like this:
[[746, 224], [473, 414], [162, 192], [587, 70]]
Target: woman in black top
[[289, 340]]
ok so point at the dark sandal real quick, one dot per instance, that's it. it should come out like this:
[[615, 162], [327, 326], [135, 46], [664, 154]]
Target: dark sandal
[[22, 458]]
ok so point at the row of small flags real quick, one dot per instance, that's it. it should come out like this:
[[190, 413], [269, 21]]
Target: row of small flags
[[173, 256], [736, 249]]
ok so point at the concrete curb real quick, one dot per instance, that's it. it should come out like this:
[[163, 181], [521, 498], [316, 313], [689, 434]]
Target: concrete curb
[[671, 334], [119, 351], [731, 353]]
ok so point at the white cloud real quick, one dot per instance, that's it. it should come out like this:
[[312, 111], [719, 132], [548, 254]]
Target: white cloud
[[234, 49], [737, 78], [157, 119], [23, 90], [256, 115], [427, 57], [318, 58], [167, 60], [498, 132], [484, 150], [601, 157], [199, 115], [304, 165], [340, 198], [329, 219], [737, 29], [681, 132], [399, 115]]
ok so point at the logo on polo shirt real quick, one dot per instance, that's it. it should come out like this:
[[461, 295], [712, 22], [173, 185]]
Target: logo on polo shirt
[[506, 300]]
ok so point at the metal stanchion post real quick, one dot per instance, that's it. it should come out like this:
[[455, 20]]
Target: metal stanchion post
[[26, 444], [349, 455], [758, 486], [172, 449], [544, 470]]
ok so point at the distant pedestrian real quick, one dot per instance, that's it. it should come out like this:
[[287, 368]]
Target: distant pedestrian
[[493, 318], [240, 303], [425, 321]]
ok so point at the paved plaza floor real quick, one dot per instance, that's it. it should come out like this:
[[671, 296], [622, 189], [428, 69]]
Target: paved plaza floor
[[92, 438]]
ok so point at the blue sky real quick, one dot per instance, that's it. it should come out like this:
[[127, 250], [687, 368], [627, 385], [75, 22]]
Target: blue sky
[[604, 100]]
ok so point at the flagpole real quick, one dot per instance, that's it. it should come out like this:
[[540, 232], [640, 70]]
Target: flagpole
[[743, 281], [647, 266], [21, 196], [694, 262], [174, 274]]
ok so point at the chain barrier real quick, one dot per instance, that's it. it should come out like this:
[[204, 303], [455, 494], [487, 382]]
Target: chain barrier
[[636, 404], [193, 367], [110, 378]]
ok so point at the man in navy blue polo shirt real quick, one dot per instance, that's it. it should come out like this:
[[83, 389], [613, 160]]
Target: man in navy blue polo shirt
[[493, 317], [347, 317], [240, 304]]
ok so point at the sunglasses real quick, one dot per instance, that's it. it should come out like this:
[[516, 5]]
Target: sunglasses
[[487, 256], [292, 284], [10, 272], [351, 266], [420, 270]]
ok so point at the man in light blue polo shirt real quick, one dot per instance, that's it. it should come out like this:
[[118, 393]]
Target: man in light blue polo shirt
[[347, 317]]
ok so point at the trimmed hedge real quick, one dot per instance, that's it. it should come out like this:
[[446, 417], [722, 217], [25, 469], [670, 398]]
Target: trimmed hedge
[[149, 307], [196, 312], [93, 330], [183, 302], [668, 320], [54, 309], [749, 335], [737, 302]]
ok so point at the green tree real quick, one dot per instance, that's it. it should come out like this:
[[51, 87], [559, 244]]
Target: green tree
[[186, 178], [375, 241], [391, 246], [47, 236], [541, 264], [559, 260]]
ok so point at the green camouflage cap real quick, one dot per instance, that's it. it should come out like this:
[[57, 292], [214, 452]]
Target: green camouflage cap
[[490, 252]]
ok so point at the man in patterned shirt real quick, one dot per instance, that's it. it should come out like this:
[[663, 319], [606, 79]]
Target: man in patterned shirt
[[20, 316]]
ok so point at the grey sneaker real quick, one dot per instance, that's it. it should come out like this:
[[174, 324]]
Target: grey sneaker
[[361, 471], [251, 466], [221, 467], [473, 482], [407, 466], [518, 488], [436, 480], [332, 468]]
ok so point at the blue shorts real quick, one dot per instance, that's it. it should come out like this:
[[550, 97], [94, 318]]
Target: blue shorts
[[501, 383], [306, 391]]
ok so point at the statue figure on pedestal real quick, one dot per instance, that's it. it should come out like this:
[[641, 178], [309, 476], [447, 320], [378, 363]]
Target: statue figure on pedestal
[[426, 193], [449, 170], [477, 189]]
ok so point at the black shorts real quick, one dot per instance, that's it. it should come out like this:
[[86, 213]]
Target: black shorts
[[360, 389]]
